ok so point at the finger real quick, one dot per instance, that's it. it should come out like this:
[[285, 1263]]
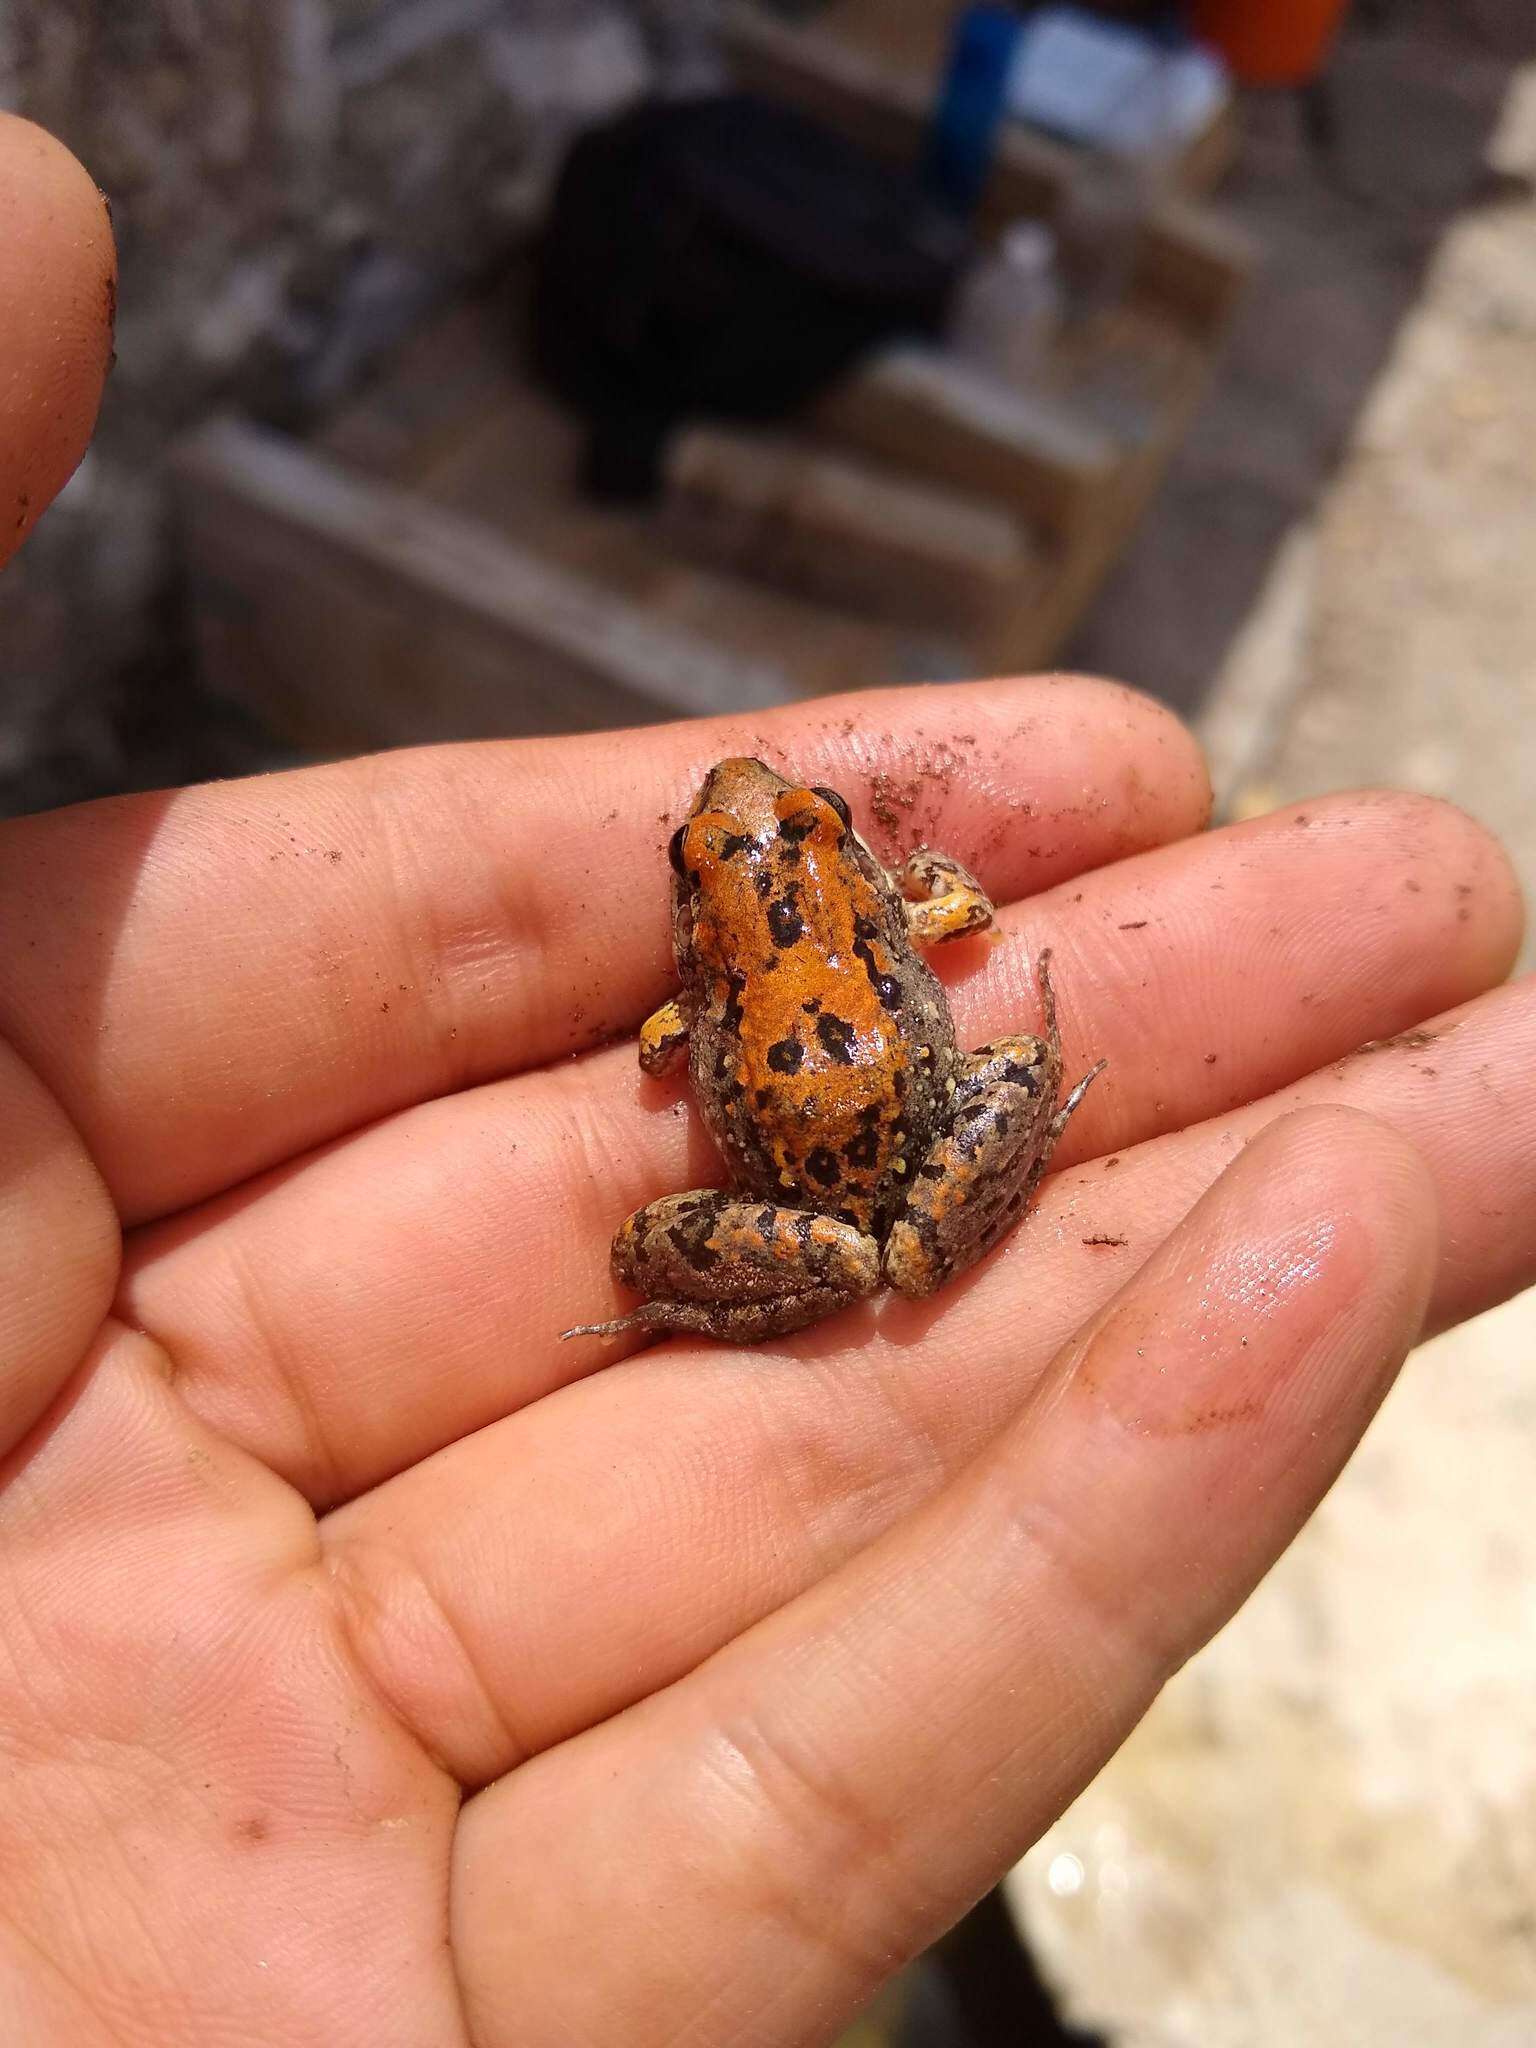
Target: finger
[[714, 1488], [823, 1798], [58, 1250], [267, 964], [58, 297], [474, 1230], [1217, 971]]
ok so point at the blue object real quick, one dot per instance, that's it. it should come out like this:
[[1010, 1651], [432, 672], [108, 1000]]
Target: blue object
[[972, 100]]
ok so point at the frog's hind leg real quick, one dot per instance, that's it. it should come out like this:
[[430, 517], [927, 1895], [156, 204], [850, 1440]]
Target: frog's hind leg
[[980, 1173], [737, 1322], [944, 900], [744, 1271]]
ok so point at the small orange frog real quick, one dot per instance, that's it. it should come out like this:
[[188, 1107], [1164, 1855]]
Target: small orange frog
[[864, 1148]]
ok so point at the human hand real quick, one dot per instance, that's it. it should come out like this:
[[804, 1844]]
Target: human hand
[[367, 1675]]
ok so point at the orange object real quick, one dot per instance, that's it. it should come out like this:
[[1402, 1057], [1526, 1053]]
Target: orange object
[[1269, 42]]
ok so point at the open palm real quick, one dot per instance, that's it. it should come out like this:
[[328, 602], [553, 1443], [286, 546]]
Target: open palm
[[376, 1669]]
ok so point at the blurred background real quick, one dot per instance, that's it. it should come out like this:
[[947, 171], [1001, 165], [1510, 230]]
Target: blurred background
[[502, 366]]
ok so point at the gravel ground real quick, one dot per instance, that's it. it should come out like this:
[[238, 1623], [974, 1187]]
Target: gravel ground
[[1326, 1830]]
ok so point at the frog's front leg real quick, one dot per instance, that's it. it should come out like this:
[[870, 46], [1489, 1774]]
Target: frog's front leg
[[664, 1036], [981, 1171], [714, 1263], [944, 900]]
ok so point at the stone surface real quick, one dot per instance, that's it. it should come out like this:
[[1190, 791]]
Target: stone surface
[[1396, 639], [1325, 1831], [293, 182], [1346, 234]]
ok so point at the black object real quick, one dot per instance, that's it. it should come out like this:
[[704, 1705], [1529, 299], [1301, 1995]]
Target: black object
[[723, 256], [978, 1987]]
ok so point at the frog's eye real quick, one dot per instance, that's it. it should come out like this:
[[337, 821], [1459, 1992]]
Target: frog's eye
[[830, 796], [675, 851]]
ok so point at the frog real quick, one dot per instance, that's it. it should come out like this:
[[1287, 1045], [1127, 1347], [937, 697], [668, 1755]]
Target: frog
[[864, 1150]]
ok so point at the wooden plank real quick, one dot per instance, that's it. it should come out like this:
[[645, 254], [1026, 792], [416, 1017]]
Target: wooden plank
[[880, 104], [1195, 262], [353, 613], [510, 455], [787, 512], [418, 414], [877, 65], [932, 414], [351, 645], [848, 70], [911, 39], [1142, 379]]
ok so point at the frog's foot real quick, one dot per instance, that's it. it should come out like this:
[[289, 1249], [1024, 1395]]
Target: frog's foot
[[978, 1176], [944, 900], [743, 1271], [1063, 1115]]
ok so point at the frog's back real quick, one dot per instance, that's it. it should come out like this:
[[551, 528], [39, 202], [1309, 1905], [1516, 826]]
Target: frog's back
[[823, 1047]]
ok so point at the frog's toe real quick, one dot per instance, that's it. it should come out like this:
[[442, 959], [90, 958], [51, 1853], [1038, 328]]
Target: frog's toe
[[619, 1327], [913, 1264], [734, 1322]]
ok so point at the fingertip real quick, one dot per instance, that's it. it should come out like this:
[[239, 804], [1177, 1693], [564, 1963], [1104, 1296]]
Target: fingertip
[[1143, 763], [1292, 1289], [58, 301], [1240, 1365], [1485, 899], [1168, 764], [1444, 866], [1371, 1190], [1490, 897]]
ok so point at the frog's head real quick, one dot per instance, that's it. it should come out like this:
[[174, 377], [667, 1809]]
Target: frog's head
[[743, 807], [744, 789], [753, 846]]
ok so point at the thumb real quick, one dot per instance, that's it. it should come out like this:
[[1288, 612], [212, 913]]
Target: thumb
[[58, 1249], [58, 295]]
